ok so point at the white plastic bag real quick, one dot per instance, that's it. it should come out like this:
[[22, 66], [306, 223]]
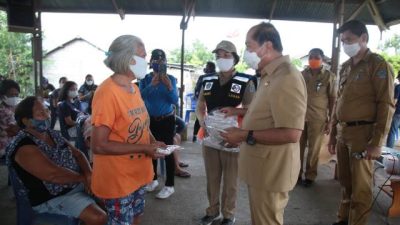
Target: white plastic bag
[[216, 122]]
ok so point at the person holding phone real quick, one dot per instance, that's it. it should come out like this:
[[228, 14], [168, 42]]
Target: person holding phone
[[160, 94]]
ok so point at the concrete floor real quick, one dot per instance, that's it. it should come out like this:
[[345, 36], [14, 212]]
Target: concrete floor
[[316, 205]]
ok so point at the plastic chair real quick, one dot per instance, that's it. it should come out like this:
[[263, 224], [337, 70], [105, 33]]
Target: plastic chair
[[25, 213]]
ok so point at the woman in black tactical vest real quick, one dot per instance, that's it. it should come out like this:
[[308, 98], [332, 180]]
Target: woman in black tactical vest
[[226, 88]]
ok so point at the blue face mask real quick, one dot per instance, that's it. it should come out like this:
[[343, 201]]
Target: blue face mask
[[40, 125], [155, 67]]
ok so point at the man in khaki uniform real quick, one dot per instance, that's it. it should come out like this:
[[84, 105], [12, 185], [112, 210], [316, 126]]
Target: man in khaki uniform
[[362, 113], [269, 159], [321, 95]]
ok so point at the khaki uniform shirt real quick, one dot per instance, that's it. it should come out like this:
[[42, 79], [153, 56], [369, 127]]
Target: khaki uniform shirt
[[320, 88], [366, 94], [280, 102]]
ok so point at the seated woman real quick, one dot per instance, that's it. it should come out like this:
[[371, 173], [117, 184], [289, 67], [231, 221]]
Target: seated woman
[[9, 92], [69, 109], [54, 173]]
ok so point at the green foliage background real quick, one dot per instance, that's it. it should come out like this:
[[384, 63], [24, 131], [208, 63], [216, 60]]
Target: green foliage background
[[198, 55], [392, 44], [16, 57]]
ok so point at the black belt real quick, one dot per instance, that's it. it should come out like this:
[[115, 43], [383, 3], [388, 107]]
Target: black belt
[[159, 118], [357, 123]]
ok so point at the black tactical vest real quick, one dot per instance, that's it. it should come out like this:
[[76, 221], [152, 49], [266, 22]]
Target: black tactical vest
[[229, 94]]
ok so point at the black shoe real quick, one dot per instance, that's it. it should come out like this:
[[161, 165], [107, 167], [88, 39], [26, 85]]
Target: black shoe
[[299, 181], [308, 183], [194, 139], [341, 223], [227, 221], [208, 220]]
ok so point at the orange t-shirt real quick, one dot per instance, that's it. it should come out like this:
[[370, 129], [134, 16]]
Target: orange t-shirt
[[125, 114]]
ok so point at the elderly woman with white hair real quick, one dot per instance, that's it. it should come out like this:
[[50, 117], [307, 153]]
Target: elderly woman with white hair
[[122, 144]]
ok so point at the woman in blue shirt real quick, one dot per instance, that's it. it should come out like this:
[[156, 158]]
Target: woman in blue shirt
[[160, 94]]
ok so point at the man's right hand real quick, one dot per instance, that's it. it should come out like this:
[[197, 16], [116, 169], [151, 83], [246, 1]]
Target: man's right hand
[[332, 144]]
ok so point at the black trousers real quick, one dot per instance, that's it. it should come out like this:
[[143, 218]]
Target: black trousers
[[196, 127], [164, 130], [54, 117]]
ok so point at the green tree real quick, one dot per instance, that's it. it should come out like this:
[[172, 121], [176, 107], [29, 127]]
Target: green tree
[[196, 55], [297, 63], [394, 60], [393, 42], [16, 57]]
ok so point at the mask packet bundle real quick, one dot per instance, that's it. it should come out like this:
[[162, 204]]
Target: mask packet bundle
[[216, 122], [169, 149]]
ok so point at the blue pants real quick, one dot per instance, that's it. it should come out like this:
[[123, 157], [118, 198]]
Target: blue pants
[[393, 130]]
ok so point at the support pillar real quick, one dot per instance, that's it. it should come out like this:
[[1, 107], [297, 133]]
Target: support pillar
[[37, 53], [338, 21]]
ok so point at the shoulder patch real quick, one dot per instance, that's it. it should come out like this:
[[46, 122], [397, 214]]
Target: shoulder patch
[[208, 86], [382, 73], [235, 88]]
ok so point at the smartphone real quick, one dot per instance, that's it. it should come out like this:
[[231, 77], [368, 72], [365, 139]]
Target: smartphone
[[162, 68]]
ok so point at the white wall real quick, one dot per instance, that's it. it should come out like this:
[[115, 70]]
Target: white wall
[[75, 61]]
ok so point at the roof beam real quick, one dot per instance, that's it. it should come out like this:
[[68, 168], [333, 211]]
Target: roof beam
[[271, 13], [120, 11], [357, 11], [376, 15]]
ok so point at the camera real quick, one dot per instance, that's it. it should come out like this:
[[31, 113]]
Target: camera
[[162, 68], [159, 66]]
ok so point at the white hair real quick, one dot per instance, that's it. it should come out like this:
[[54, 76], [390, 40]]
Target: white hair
[[121, 53]]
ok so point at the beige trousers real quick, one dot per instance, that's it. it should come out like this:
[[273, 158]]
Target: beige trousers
[[267, 207], [312, 136], [221, 169], [355, 175]]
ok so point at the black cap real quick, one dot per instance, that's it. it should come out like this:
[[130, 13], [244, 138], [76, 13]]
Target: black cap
[[157, 54]]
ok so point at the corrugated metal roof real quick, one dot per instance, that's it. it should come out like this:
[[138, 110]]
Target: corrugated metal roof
[[297, 10]]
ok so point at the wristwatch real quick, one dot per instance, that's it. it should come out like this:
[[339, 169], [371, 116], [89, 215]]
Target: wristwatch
[[250, 140]]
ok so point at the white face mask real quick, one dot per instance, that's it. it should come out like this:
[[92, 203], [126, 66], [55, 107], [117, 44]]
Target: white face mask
[[251, 59], [72, 94], [225, 65], [140, 68], [351, 49], [11, 101], [89, 82]]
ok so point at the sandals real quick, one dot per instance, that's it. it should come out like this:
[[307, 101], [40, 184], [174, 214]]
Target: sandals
[[182, 174]]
